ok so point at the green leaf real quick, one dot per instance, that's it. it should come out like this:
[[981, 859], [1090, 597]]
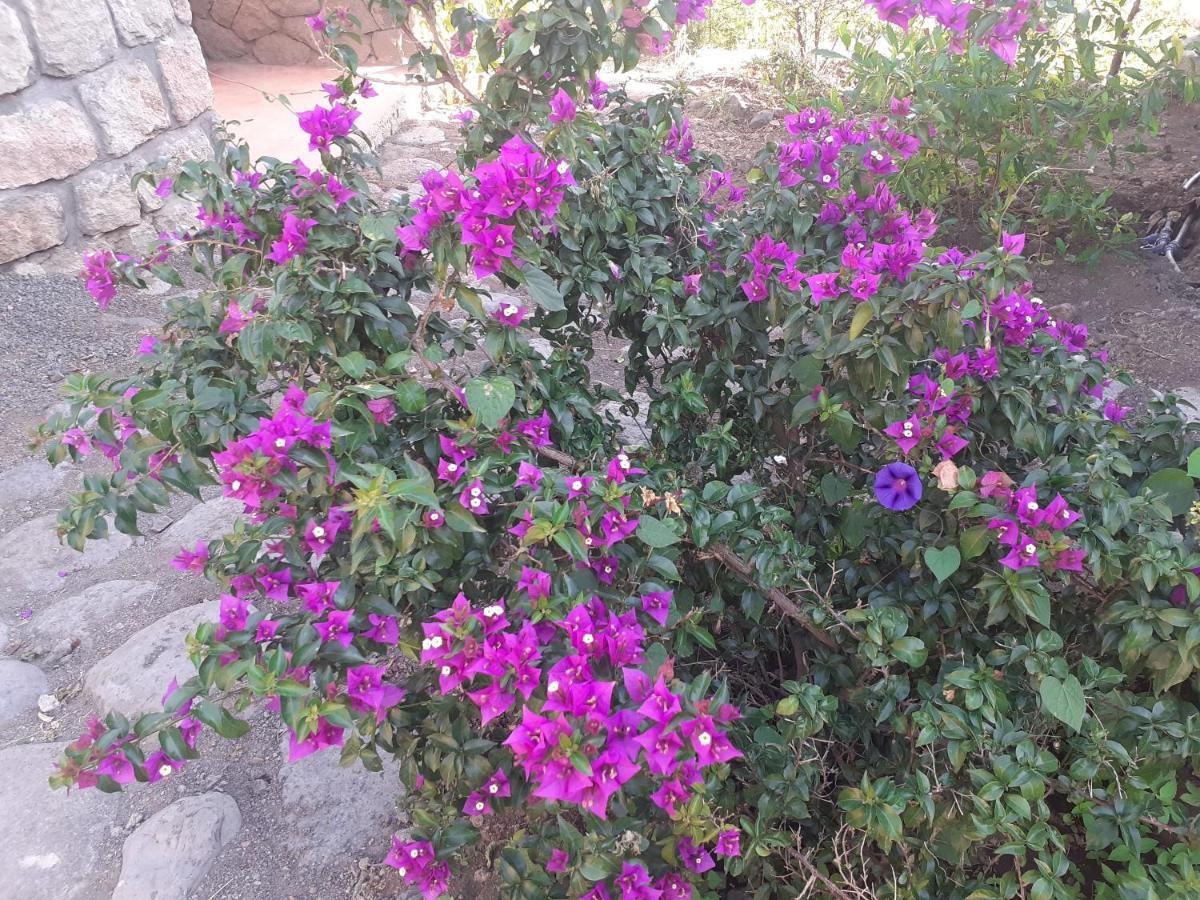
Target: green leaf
[[1194, 463], [1174, 486], [655, 533], [379, 228], [460, 520], [910, 650], [862, 318], [943, 562], [219, 720], [1063, 700], [834, 489], [543, 289], [413, 491], [354, 364], [973, 541], [490, 399]]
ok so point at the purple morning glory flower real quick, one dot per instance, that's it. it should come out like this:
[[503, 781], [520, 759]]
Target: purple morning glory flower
[[898, 487]]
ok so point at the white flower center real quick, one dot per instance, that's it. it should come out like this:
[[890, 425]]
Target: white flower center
[[475, 502], [435, 642], [318, 532], [446, 671], [1031, 506], [164, 770], [492, 788], [280, 443], [236, 485], [589, 639], [451, 467], [552, 687], [577, 485], [1030, 549], [475, 492], [704, 738], [510, 310]]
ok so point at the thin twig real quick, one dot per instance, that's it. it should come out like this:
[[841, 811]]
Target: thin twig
[[778, 598]]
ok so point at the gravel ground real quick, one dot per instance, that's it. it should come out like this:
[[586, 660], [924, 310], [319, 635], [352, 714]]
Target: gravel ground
[[50, 327]]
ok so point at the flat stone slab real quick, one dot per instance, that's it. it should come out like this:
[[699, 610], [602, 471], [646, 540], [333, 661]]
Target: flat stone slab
[[52, 840], [399, 171], [176, 847], [104, 609], [333, 813], [203, 522], [133, 678], [31, 556], [30, 480], [420, 136], [20, 686]]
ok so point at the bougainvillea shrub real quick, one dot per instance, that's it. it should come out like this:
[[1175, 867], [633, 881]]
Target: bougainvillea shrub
[[893, 599]]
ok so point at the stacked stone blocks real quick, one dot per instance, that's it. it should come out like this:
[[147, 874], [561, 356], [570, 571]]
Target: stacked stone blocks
[[274, 32], [92, 91]]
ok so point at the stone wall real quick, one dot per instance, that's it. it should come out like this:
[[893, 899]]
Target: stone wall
[[92, 91], [274, 32]]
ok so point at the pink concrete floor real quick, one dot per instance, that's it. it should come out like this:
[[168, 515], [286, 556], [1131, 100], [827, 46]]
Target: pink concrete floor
[[246, 98]]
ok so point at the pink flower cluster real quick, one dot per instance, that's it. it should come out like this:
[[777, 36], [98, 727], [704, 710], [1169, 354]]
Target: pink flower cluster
[[1000, 37], [249, 465], [98, 272], [486, 209], [418, 864], [86, 761], [323, 126], [1033, 533]]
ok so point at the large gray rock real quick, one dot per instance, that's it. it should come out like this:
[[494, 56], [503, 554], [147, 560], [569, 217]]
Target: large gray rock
[[133, 678], [125, 100], [203, 522], [185, 75], [72, 36], [420, 136], [335, 812], [102, 610], [53, 841], [20, 686], [32, 222], [105, 200], [53, 140], [399, 169], [30, 480], [31, 556], [176, 846], [141, 21], [16, 62]]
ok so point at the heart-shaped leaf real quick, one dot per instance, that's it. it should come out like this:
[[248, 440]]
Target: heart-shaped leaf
[[943, 562], [1174, 486], [1063, 700], [655, 533], [490, 399]]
